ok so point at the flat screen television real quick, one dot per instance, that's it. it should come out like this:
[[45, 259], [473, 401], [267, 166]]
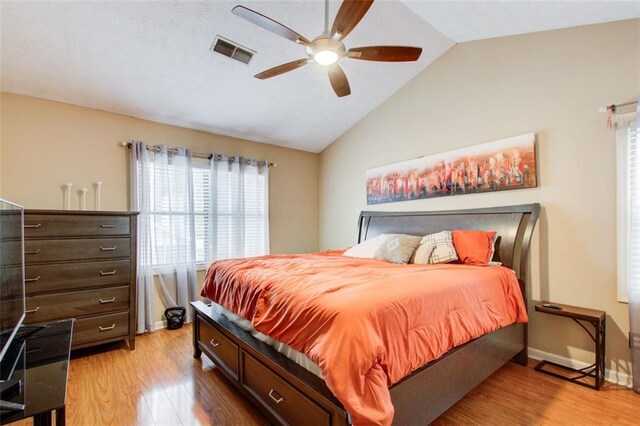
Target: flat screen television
[[12, 293]]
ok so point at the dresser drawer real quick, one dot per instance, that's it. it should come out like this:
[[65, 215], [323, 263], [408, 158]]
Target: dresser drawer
[[44, 225], [100, 327], [48, 307], [279, 397], [36, 251], [44, 278], [223, 348]]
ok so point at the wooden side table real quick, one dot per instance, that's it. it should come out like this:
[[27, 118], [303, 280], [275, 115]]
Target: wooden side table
[[598, 321]]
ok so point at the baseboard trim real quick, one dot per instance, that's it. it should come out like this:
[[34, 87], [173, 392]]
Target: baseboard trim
[[613, 376], [160, 325]]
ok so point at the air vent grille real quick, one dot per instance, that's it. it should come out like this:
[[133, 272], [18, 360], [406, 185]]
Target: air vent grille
[[232, 50]]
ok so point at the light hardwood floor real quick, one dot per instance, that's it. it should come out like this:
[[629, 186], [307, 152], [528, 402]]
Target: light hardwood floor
[[161, 384]]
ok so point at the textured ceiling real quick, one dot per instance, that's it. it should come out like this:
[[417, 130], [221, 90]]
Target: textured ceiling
[[474, 20], [152, 60]]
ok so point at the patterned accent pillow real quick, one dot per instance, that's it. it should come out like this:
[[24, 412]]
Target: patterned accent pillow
[[422, 253], [397, 248], [445, 251]]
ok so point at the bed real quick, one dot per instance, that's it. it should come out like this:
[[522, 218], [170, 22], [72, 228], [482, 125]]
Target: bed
[[289, 393]]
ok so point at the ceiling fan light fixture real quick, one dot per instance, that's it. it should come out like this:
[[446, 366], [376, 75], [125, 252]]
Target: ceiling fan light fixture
[[326, 57]]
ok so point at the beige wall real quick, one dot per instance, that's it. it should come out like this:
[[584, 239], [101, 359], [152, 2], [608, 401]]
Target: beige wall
[[551, 83], [45, 144]]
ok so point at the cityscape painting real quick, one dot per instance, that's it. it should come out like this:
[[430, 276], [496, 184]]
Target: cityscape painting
[[494, 166]]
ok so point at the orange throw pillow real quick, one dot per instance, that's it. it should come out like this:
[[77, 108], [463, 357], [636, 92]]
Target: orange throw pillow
[[474, 247]]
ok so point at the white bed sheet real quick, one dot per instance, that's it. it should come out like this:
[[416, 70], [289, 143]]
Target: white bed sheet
[[297, 357]]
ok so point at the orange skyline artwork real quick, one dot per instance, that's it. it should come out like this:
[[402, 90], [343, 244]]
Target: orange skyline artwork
[[494, 166]]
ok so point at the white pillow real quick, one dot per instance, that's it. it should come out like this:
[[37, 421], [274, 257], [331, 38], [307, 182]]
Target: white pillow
[[366, 249], [398, 248], [423, 252], [444, 251]]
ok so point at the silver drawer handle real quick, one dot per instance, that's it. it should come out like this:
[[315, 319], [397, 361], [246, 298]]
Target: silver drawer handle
[[31, 280], [108, 248], [36, 251], [102, 274], [31, 311], [37, 225], [113, 299], [214, 343], [111, 327], [276, 400], [107, 226]]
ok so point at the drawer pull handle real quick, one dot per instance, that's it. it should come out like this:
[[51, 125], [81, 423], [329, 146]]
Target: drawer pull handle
[[31, 311], [102, 274], [113, 299], [108, 248], [276, 399], [31, 280], [36, 251], [214, 343], [107, 226], [111, 327], [37, 225]]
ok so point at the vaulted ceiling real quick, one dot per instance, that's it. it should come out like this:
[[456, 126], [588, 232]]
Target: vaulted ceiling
[[152, 60]]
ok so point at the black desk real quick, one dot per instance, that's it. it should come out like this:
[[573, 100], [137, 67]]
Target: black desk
[[46, 364]]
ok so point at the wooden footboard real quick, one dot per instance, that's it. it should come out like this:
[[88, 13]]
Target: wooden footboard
[[427, 393]]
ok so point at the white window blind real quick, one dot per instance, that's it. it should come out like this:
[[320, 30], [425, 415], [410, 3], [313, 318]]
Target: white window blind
[[239, 214], [169, 215], [202, 211], [628, 147]]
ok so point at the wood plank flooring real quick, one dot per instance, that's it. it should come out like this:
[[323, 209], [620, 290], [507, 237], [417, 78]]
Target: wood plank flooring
[[161, 384]]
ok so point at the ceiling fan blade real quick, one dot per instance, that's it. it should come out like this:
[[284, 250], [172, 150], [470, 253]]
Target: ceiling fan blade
[[385, 53], [269, 24], [281, 69], [349, 14], [339, 81]]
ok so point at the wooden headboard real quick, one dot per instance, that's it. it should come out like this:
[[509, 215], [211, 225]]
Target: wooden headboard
[[513, 224]]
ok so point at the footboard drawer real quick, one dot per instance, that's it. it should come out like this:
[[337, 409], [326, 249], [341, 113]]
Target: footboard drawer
[[220, 346], [280, 398]]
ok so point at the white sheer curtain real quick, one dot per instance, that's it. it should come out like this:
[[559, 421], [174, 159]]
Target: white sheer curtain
[[239, 219], [634, 248], [162, 191]]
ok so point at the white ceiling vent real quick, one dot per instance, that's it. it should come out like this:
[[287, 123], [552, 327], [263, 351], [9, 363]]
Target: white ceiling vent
[[232, 50]]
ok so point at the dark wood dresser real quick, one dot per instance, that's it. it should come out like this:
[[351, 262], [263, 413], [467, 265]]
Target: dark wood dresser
[[82, 265]]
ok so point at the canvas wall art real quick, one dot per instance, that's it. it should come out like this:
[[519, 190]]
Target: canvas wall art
[[494, 166]]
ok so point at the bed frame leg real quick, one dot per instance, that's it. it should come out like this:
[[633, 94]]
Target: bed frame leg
[[521, 357], [196, 331]]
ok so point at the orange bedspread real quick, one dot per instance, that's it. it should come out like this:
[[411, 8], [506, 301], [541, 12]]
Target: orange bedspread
[[366, 323]]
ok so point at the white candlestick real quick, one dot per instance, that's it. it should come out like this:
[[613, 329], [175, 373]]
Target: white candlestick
[[82, 199], [97, 188], [66, 194]]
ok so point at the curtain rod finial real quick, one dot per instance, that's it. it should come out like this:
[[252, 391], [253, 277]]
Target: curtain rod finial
[[124, 143]]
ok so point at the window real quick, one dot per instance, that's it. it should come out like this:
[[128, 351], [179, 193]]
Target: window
[[202, 208], [240, 224], [230, 220], [628, 163]]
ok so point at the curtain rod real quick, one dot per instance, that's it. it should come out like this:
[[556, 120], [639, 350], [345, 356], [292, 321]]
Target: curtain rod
[[193, 154], [606, 108]]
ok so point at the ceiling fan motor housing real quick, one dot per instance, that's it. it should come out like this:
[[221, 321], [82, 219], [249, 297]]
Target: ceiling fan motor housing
[[326, 43]]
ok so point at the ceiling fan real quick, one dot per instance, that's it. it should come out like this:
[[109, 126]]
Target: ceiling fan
[[328, 49]]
